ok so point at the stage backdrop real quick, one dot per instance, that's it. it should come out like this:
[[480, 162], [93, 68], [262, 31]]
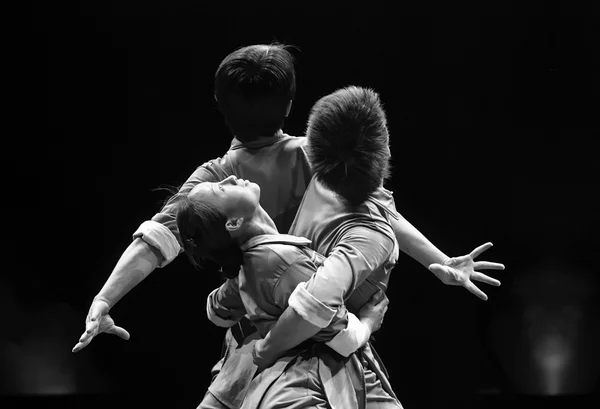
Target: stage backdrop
[[490, 115]]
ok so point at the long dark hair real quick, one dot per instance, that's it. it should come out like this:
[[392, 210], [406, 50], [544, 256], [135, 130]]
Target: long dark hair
[[205, 238]]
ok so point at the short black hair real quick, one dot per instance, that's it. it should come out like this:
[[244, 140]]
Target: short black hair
[[254, 86], [348, 143]]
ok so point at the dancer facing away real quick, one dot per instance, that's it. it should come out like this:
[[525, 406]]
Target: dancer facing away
[[348, 148], [346, 211]]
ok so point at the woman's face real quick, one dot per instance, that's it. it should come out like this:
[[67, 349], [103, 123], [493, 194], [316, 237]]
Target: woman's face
[[234, 197]]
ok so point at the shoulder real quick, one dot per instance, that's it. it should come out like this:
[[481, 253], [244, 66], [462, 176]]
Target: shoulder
[[276, 260], [218, 168], [279, 254], [366, 235], [292, 142], [270, 265]]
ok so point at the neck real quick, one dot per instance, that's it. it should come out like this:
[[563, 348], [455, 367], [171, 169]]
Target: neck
[[260, 223]]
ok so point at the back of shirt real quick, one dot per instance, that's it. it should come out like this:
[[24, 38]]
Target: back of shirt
[[326, 221], [282, 172]]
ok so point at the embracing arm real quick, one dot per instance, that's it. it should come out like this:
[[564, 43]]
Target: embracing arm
[[313, 305]]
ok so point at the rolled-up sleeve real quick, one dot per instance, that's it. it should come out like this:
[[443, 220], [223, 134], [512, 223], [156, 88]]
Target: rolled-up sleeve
[[358, 254], [344, 334], [354, 335], [342, 330], [224, 306], [160, 237]]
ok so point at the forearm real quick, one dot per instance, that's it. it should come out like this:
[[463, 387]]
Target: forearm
[[289, 332], [346, 333], [292, 329], [135, 264], [304, 317], [414, 244]]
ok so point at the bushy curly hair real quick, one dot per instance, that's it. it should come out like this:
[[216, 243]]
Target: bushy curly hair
[[348, 143]]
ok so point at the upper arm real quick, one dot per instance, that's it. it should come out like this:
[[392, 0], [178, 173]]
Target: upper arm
[[360, 252], [297, 272], [301, 271], [229, 294], [226, 301]]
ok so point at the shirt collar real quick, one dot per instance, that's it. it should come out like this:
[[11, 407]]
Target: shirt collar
[[272, 239], [261, 142]]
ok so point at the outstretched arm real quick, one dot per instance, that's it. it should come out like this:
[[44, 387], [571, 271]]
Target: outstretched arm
[[136, 263], [456, 271], [155, 245], [414, 244]]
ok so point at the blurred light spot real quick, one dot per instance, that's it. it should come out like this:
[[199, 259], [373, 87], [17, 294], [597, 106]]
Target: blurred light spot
[[553, 337], [40, 370], [553, 354]]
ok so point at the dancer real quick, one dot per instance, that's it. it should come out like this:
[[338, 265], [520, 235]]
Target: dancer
[[224, 222], [259, 151], [346, 214]]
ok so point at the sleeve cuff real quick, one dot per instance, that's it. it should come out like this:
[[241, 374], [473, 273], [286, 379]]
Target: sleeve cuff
[[350, 339], [160, 237], [310, 308], [212, 315]]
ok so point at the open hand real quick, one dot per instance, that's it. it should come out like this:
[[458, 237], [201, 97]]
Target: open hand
[[97, 322], [461, 271]]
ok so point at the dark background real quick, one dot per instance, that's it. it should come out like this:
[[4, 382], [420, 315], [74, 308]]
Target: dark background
[[493, 116]]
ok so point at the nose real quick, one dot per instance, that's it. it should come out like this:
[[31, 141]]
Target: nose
[[231, 180]]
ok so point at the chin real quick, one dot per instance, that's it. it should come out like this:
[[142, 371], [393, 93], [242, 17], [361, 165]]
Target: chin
[[255, 189]]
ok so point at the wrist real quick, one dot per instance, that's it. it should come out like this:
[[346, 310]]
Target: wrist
[[103, 299], [368, 324], [260, 354]]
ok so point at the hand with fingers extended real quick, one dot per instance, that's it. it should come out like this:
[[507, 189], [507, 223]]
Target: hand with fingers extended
[[462, 271], [97, 322], [372, 313]]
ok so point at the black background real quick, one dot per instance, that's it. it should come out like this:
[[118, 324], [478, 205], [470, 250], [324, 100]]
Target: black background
[[492, 111]]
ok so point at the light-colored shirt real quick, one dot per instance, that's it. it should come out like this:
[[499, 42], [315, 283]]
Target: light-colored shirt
[[273, 267], [359, 244]]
